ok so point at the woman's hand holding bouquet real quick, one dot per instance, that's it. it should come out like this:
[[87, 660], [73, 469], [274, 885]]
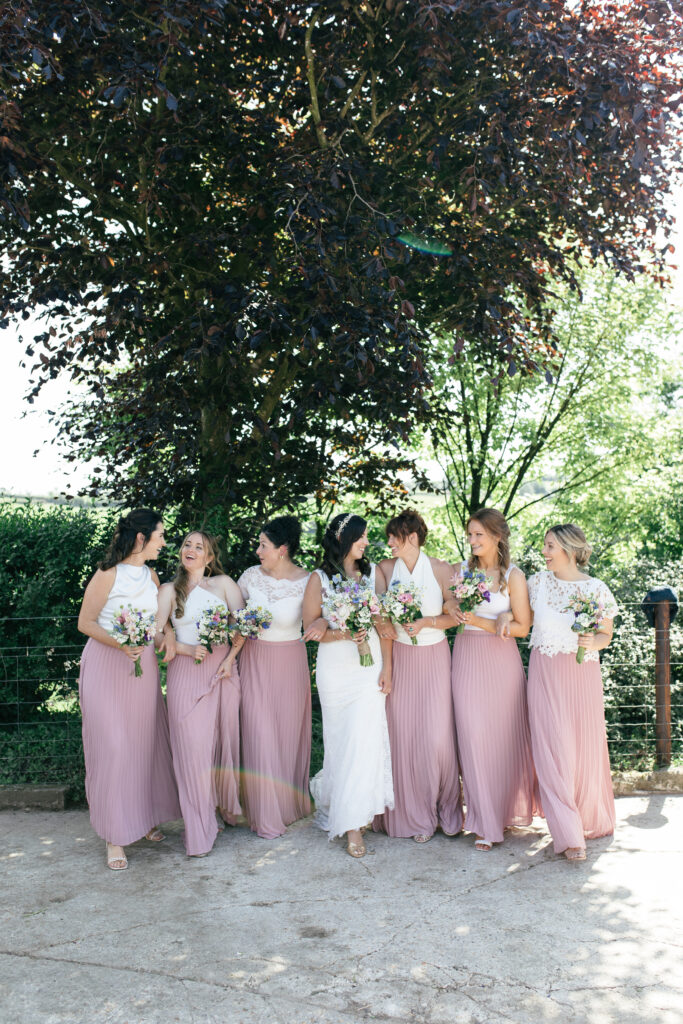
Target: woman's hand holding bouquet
[[351, 606], [470, 588]]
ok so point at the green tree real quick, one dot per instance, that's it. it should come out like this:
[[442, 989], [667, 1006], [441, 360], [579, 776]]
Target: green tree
[[586, 441], [207, 199]]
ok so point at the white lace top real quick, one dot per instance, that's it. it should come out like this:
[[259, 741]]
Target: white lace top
[[499, 603], [284, 599], [133, 588], [198, 600], [552, 632], [432, 598]]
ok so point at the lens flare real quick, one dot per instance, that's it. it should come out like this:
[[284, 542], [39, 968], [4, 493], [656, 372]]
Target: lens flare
[[424, 243]]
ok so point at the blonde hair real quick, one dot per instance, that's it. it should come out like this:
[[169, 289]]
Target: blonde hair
[[181, 580], [495, 523], [573, 542]]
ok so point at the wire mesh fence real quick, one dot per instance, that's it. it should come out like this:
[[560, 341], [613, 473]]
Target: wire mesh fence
[[40, 725]]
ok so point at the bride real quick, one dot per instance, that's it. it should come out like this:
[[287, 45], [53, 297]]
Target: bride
[[355, 782]]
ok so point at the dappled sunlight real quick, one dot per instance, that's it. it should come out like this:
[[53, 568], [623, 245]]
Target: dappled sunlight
[[438, 933]]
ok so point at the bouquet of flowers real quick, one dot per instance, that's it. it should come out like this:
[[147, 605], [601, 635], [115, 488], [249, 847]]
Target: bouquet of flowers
[[134, 628], [470, 588], [212, 628], [401, 602], [351, 605], [250, 621], [589, 612]]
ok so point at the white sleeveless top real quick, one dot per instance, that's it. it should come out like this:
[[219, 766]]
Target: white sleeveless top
[[198, 600], [552, 633], [498, 604], [430, 604], [325, 581], [284, 599], [133, 588]]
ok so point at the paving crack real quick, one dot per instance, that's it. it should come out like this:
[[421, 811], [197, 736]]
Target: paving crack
[[350, 1014]]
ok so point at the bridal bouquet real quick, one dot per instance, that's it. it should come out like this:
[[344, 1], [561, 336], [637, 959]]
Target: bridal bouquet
[[212, 628], [250, 621], [351, 605], [401, 602], [589, 612], [134, 628], [470, 588]]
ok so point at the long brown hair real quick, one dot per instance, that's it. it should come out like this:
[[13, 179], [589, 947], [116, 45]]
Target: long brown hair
[[495, 523], [181, 580], [339, 537], [122, 544]]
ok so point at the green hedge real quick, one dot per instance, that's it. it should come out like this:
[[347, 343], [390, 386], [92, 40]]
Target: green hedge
[[50, 552]]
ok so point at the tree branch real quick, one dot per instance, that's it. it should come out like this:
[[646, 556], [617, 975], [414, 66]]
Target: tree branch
[[313, 88]]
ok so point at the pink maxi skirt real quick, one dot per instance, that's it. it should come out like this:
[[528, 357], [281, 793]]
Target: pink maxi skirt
[[489, 696], [569, 739], [422, 739], [276, 734], [129, 781], [203, 715]]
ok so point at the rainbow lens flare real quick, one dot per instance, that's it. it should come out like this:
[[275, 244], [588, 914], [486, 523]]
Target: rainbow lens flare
[[424, 243]]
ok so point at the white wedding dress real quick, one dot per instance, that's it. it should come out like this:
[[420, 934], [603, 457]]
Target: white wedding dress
[[355, 783]]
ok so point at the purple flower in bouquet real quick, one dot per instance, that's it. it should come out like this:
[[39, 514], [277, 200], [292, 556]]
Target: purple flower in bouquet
[[351, 605], [212, 628], [134, 628], [252, 620], [401, 603], [589, 614], [470, 588]]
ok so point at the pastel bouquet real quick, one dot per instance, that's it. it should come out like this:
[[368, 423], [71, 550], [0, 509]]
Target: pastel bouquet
[[212, 628], [470, 588], [351, 605], [252, 620], [401, 603], [134, 628], [589, 612]]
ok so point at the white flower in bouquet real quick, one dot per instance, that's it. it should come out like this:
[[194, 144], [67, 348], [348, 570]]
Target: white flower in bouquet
[[402, 603], [352, 606], [134, 628]]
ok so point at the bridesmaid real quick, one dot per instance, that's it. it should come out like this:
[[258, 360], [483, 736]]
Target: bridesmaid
[[489, 690], [355, 783], [203, 706], [276, 687], [128, 773], [420, 708], [566, 710]]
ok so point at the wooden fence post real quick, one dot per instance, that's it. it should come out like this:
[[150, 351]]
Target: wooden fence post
[[663, 684]]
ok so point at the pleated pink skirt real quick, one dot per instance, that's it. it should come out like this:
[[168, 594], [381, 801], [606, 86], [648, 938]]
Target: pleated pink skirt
[[569, 739], [276, 734], [203, 715], [422, 739], [129, 782], [491, 723]]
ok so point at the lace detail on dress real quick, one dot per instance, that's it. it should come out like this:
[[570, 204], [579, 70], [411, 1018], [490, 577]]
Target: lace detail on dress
[[552, 633], [275, 590]]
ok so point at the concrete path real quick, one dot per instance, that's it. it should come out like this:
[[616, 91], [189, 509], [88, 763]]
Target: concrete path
[[293, 931]]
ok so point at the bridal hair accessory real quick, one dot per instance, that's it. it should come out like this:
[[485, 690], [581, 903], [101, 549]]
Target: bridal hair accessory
[[340, 528]]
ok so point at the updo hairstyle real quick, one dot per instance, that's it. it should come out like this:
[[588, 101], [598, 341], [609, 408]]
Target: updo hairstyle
[[284, 530], [495, 523], [573, 542], [181, 580], [335, 548], [405, 523], [140, 520]]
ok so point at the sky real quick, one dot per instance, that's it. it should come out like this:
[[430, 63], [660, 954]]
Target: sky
[[27, 428]]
